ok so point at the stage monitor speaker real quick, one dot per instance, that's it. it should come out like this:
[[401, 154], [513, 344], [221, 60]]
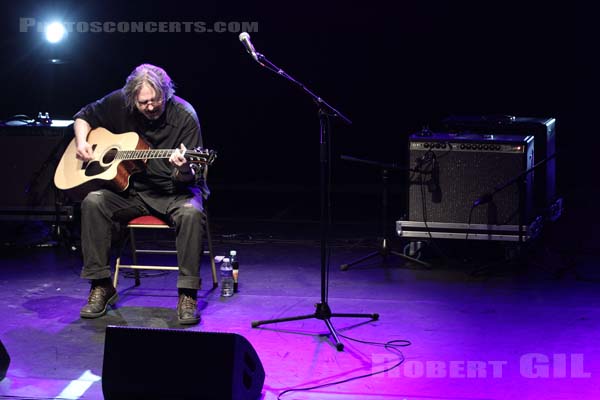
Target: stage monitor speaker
[[151, 363], [457, 169], [31, 154], [4, 361], [544, 132]]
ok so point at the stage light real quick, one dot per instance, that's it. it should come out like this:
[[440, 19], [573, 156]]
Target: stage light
[[55, 32]]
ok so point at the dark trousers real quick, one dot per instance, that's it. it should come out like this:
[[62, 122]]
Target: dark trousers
[[101, 209]]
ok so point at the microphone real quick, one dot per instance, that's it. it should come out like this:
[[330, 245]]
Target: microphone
[[245, 39]]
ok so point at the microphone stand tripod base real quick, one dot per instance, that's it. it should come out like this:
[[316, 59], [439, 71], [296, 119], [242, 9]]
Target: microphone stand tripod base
[[384, 251], [322, 312]]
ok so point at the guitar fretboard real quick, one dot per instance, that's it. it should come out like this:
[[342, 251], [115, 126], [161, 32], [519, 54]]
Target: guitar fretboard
[[144, 154]]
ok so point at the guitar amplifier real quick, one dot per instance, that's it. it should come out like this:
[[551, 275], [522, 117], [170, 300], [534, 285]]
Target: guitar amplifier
[[31, 155], [544, 132], [449, 172]]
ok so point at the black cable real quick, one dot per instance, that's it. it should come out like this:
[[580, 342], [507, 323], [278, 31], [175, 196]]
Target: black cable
[[392, 346], [469, 222], [423, 196], [422, 172]]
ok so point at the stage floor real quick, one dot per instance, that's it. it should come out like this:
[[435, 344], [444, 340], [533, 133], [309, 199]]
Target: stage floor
[[503, 332]]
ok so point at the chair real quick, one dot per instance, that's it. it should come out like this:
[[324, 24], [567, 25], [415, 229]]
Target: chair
[[152, 222]]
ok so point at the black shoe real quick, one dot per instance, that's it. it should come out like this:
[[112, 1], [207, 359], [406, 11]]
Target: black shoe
[[187, 310], [99, 299]]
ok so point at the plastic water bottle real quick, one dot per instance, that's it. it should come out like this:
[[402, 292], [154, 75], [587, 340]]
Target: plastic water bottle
[[226, 278], [236, 269]]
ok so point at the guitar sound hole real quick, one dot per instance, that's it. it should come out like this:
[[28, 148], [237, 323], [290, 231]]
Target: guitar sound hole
[[109, 156], [94, 168]]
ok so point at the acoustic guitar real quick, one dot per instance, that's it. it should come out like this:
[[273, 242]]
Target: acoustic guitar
[[116, 158]]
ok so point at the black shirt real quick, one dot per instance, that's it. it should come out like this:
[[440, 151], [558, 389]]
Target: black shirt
[[178, 124]]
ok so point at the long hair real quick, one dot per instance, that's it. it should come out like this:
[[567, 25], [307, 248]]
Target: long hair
[[154, 76]]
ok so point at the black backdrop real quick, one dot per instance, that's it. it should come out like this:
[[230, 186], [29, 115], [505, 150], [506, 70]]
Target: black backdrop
[[392, 67]]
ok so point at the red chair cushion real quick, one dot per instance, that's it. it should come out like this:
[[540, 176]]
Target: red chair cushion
[[147, 220]]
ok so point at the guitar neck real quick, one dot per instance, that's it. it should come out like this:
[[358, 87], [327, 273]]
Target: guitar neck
[[144, 154]]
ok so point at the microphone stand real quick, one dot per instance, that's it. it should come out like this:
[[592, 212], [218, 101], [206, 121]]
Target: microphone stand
[[325, 112], [59, 234], [385, 250], [519, 179]]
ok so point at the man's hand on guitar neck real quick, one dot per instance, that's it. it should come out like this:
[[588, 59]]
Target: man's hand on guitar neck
[[184, 171]]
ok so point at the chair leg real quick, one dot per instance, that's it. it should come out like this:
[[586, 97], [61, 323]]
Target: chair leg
[[210, 253], [134, 256], [116, 277], [122, 243]]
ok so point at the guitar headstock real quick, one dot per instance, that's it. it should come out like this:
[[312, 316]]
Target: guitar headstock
[[201, 156]]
